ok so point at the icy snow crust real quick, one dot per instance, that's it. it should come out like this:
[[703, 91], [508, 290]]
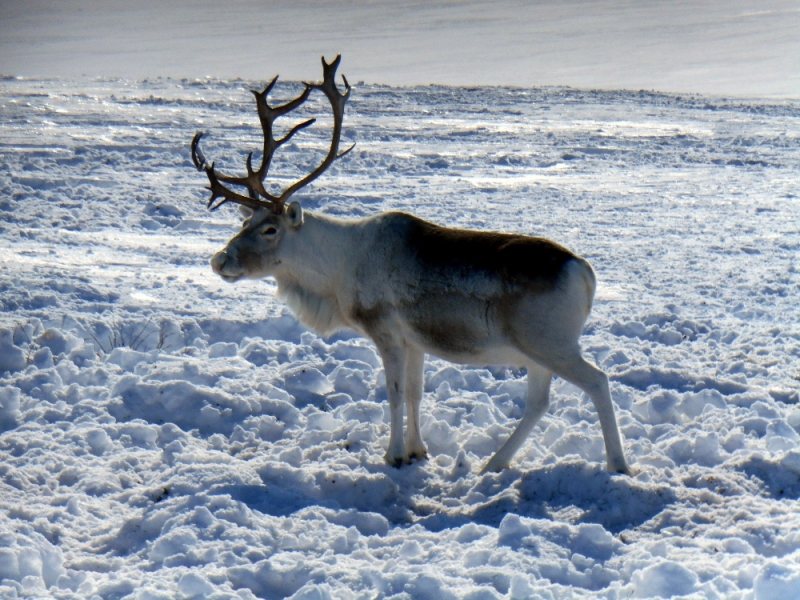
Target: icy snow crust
[[167, 435]]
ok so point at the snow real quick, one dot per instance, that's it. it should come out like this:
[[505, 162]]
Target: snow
[[164, 434], [732, 47]]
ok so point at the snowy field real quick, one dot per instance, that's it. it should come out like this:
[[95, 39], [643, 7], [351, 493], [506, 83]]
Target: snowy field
[[733, 47], [167, 435]]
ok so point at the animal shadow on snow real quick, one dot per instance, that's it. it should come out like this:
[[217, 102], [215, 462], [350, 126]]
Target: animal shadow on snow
[[576, 492], [780, 478], [381, 490]]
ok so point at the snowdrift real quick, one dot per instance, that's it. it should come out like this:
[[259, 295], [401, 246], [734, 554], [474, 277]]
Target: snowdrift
[[163, 434]]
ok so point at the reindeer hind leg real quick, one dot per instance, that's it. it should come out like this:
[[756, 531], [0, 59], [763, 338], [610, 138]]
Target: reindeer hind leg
[[536, 405], [573, 367]]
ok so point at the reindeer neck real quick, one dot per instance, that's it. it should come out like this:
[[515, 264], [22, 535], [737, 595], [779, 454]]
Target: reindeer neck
[[320, 249]]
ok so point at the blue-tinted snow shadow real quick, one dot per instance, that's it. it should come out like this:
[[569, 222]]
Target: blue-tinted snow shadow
[[379, 490], [780, 478], [577, 492], [582, 493], [272, 500]]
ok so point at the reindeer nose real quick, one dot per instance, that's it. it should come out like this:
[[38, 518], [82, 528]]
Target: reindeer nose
[[218, 262]]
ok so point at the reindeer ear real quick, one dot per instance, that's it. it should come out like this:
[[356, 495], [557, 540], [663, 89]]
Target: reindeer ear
[[245, 211], [294, 214]]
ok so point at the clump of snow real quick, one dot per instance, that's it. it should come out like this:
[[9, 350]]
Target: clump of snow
[[775, 581], [164, 434], [9, 407], [664, 579], [29, 563], [12, 358]]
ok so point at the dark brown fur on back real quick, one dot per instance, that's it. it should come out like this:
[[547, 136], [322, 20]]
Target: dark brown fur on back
[[516, 259]]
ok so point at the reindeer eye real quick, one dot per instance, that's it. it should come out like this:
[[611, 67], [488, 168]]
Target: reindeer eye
[[269, 230]]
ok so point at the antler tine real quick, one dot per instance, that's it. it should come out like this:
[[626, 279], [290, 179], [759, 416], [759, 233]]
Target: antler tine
[[220, 191], [254, 181], [198, 158], [338, 101], [217, 189], [267, 115]]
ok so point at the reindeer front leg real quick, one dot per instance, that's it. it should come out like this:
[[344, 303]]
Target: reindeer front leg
[[394, 366], [414, 383]]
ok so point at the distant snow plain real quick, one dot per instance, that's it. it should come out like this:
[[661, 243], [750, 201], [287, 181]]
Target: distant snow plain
[[168, 435], [730, 47]]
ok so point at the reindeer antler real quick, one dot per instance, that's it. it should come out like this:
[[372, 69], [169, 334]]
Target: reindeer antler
[[254, 180]]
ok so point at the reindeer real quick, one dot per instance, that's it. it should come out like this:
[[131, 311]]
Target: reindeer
[[414, 287]]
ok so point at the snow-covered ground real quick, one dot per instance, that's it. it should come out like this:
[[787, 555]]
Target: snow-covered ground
[[167, 435], [733, 47]]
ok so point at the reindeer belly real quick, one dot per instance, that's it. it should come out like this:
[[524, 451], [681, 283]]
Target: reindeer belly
[[453, 325]]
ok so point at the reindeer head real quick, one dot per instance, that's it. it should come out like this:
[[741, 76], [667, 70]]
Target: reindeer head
[[255, 251]]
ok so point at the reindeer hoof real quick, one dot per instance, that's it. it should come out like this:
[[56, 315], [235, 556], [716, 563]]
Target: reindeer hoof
[[418, 456], [492, 468], [395, 461], [621, 470]]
